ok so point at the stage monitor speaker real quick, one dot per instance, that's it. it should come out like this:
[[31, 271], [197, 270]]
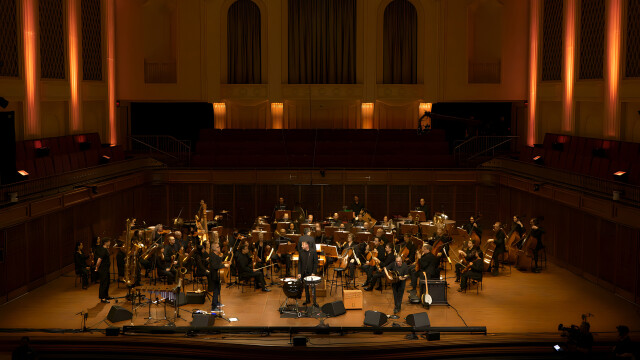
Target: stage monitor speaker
[[437, 290], [194, 297], [8, 171], [431, 336], [419, 321], [118, 313], [203, 320], [374, 318], [334, 309]]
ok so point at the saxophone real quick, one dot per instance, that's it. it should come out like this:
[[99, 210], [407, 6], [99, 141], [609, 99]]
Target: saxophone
[[131, 260]]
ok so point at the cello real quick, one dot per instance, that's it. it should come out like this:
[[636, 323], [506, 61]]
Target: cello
[[511, 244]]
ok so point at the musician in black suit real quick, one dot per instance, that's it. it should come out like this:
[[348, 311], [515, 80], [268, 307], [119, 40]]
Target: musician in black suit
[[385, 260], [356, 206], [80, 261], [214, 286], [164, 266], [103, 263], [280, 205], [474, 272], [307, 266], [424, 207], [402, 272], [428, 264], [500, 248], [537, 232], [245, 269]]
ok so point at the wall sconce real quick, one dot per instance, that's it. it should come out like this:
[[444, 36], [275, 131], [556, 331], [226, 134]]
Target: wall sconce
[[219, 115], [424, 117], [277, 111], [367, 115]]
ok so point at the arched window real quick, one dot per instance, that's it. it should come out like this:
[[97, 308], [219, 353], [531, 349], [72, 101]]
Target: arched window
[[400, 43], [243, 43]]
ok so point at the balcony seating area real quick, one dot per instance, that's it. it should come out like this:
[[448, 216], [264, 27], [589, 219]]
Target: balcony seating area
[[51, 156], [322, 148], [588, 156]]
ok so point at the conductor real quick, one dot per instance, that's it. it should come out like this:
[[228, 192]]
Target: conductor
[[307, 266]]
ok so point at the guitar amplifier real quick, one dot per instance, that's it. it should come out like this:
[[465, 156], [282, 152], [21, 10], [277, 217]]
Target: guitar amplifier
[[437, 290], [195, 297]]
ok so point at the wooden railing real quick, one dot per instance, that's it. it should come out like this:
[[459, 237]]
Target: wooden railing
[[64, 182], [589, 184]]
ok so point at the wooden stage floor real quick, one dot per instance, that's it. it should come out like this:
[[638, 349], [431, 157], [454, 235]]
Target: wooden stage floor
[[518, 303]]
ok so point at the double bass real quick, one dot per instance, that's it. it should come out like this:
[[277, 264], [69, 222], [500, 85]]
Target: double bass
[[511, 245], [525, 253]]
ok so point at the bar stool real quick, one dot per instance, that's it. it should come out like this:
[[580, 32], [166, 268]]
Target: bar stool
[[338, 273]]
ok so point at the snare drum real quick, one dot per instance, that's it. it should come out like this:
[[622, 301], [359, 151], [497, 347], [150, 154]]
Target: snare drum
[[312, 280]]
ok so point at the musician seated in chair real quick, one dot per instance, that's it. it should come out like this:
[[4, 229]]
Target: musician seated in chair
[[361, 252], [468, 256], [473, 271], [164, 266], [80, 260], [200, 262], [385, 260], [245, 269], [428, 264], [472, 226], [307, 266], [309, 219], [500, 249]]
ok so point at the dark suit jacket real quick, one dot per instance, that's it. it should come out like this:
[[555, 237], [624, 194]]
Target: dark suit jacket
[[308, 263]]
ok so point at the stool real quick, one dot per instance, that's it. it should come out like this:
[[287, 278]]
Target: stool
[[470, 282], [338, 273]]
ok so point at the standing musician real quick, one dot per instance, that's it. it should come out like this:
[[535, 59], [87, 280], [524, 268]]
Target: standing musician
[[356, 206], [424, 207], [500, 249], [246, 271], [120, 256], [280, 205], [472, 226], [103, 263], [536, 232], [385, 260], [402, 271], [307, 266], [428, 264], [468, 255], [472, 271], [80, 260], [215, 264]]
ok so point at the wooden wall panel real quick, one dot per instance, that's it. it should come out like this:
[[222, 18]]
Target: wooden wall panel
[[223, 200], [609, 248], [332, 198], [464, 205], [626, 269], [67, 238], [245, 213], [267, 197], [443, 199], [35, 254], [311, 199], [352, 190], [291, 194], [191, 201], [53, 243], [421, 191], [16, 258], [399, 202], [588, 242], [377, 201]]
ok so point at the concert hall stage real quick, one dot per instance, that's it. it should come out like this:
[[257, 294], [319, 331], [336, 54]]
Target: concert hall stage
[[514, 307]]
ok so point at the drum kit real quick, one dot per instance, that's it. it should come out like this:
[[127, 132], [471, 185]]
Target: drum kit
[[293, 288]]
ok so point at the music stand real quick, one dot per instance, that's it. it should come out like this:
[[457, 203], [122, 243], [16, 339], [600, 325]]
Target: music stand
[[362, 237], [280, 214], [410, 229], [420, 214], [345, 215], [329, 230], [340, 236], [282, 227]]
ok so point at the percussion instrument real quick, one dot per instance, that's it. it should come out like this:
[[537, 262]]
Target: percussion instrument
[[292, 288], [312, 280]]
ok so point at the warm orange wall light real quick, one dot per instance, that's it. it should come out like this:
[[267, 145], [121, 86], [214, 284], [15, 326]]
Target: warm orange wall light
[[533, 70], [277, 111], [74, 81], [569, 66], [367, 115], [219, 115], [111, 65], [612, 73], [30, 74]]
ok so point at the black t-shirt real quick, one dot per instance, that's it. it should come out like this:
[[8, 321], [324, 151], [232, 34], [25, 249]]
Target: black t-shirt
[[105, 264], [80, 260]]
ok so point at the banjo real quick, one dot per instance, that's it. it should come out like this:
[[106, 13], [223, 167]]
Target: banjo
[[426, 298]]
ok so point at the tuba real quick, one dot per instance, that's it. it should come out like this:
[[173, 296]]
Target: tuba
[[131, 260]]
